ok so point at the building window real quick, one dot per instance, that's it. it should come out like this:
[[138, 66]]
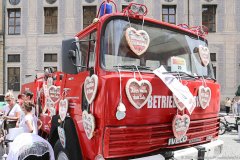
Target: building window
[[14, 58], [51, 16], [50, 57], [51, 1], [169, 14], [213, 57], [14, 17], [209, 17], [14, 78], [53, 67], [89, 1], [89, 13], [14, 2]]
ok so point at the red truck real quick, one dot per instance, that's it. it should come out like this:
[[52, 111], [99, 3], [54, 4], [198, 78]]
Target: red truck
[[131, 87]]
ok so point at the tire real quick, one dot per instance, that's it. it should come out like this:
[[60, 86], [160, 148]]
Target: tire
[[222, 128], [71, 139], [59, 152]]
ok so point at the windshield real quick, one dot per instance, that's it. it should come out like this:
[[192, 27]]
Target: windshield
[[175, 51]]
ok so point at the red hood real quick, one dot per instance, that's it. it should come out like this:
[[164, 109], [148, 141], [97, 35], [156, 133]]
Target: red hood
[[159, 108]]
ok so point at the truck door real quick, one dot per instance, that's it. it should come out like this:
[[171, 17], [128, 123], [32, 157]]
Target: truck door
[[87, 58]]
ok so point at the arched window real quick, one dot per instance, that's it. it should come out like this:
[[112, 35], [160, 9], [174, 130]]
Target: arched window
[[89, 1], [14, 2], [51, 1]]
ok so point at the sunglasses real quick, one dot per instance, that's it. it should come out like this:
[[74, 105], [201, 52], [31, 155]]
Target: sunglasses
[[8, 100]]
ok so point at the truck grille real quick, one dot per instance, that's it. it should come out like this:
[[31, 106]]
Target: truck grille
[[135, 140]]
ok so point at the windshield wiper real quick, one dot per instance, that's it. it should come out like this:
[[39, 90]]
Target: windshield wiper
[[207, 77], [133, 67], [182, 74]]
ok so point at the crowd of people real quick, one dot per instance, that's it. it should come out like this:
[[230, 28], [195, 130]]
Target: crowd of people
[[21, 113], [18, 113], [234, 105]]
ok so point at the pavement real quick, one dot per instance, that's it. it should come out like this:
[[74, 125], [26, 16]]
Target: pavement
[[231, 141], [231, 146]]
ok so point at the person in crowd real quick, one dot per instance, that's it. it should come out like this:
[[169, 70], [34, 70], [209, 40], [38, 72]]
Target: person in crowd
[[11, 111], [238, 107], [28, 96], [29, 122], [20, 100], [228, 104], [234, 106]]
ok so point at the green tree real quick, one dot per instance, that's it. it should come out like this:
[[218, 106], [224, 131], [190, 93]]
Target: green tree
[[238, 91]]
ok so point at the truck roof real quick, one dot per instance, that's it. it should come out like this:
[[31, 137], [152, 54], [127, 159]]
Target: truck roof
[[181, 27]]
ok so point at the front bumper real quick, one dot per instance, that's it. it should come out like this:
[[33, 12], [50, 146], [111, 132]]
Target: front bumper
[[208, 151]]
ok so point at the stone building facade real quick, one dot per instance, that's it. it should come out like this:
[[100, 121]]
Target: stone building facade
[[31, 48], [1, 47]]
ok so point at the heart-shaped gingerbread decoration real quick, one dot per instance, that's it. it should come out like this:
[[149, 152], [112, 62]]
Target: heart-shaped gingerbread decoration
[[45, 89], [62, 137], [88, 124], [63, 108], [49, 81], [138, 40], [54, 93], [204, 95], [180, 125], [90, 87], [52, 111], [138, 92], [204, 55]]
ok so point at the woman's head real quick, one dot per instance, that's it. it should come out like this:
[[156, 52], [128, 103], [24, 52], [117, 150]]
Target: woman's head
[[27, 106], [28, 95], [9, 98]]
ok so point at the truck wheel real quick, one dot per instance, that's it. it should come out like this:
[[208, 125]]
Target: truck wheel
[[59, 152], [222, 128]]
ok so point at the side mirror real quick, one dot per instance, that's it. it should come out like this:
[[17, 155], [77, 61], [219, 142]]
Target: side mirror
[[69, 56]]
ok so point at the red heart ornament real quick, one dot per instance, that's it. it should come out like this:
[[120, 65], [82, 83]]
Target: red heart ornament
[[88, 124], [138, 40], [180, 125], [90, 87], [54, 93], [204, 95], [63, 108], [138, 92], [204, 55]]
